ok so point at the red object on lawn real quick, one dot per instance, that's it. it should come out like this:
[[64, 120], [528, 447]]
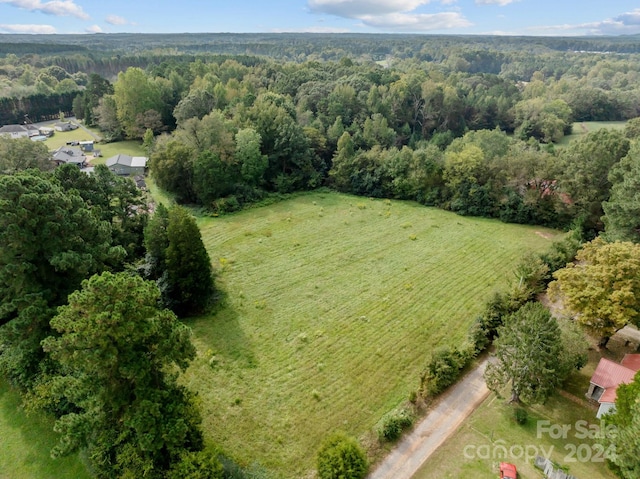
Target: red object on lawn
[[507, 471]]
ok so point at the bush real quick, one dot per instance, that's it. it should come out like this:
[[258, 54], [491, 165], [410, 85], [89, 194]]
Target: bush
[[394, 423], [341, 457], [197, 465], [520, 415], [444, 368]]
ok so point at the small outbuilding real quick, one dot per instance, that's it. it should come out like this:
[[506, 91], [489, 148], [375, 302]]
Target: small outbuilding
[[126, 165]]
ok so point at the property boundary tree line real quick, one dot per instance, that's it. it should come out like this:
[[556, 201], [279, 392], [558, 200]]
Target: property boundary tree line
[[39, 107]]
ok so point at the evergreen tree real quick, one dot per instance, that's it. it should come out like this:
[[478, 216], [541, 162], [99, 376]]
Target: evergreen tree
[[115, 391], [528, 349], [51, 240], [188, 284]]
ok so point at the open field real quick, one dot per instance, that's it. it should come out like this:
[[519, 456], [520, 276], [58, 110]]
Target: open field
[[333, 305], [25, 442], [581, 128]]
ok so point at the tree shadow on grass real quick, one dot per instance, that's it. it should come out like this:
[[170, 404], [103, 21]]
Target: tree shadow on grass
[[26, 442], [220, 334]]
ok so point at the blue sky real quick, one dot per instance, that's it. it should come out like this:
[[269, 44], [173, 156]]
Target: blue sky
[[507, 17]]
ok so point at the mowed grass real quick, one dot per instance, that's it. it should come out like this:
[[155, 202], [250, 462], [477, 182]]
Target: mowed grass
[[474, 450], [581, 128], [128, 147], [333, 305], [25, 443]]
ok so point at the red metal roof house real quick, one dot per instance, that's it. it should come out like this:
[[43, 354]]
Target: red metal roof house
[[606, 379]]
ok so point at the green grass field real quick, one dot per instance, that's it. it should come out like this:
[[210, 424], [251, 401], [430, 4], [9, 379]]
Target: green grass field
[[333, 305], [581, 128], [25, 442]]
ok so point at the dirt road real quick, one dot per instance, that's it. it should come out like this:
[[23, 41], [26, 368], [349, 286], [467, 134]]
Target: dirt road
[[454, 407]]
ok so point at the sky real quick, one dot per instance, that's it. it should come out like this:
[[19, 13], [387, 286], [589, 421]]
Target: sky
[[500, 17]]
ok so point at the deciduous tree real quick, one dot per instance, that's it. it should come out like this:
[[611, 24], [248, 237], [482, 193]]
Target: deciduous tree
[[602, 288], [622, 210], [21, 154]]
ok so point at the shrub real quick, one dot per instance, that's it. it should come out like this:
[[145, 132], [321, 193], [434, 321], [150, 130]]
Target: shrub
[[394, 423], [197, 465], [443, 369], [520, 415], [341, 457], [485, 327]]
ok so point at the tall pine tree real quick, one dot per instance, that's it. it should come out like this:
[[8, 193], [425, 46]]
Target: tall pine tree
[[178, 260]]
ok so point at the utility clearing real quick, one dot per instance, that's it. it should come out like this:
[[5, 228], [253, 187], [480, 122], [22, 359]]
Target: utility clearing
[[332, 305]]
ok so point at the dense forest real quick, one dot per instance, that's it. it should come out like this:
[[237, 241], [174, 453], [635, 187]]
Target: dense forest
[[470, 125]]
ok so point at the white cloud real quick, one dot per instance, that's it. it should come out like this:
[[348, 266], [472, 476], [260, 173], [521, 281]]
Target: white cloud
[[27, 28], [116, 20], [502, 3], [391, 15], [417, 22], [627, 23], [64, 8], [358, 8], [93, 29]]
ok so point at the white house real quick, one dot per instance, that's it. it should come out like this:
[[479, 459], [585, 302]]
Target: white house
[[19, 131]]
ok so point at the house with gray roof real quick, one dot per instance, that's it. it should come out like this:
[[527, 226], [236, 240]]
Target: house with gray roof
[[65, 126], [126, 165], [68, 154]]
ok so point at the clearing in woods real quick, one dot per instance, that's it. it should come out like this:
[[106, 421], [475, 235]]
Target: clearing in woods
[[333, 303]]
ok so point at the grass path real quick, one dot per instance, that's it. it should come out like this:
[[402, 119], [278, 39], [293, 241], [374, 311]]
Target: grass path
[[334, 303]]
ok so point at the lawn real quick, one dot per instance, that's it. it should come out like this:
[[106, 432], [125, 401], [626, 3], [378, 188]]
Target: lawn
[[332, 305], [61, 138], [581, 128], [492, 424], [25, 442], [474, 449], [129, 147]]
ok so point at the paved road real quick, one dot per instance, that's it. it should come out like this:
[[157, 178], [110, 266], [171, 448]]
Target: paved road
[[454, 407]]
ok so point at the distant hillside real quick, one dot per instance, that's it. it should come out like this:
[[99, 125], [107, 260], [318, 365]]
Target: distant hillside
[[288, 44]]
